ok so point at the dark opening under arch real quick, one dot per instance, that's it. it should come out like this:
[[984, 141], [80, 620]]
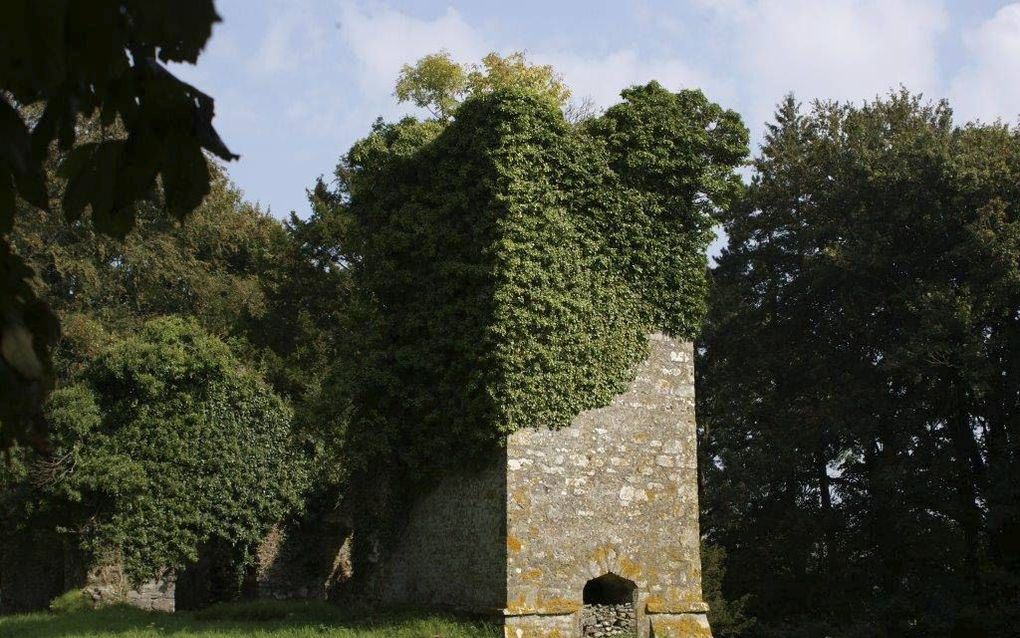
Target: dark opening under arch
[[609, 589]]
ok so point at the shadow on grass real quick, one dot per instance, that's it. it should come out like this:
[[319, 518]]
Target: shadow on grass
[[268, 619]]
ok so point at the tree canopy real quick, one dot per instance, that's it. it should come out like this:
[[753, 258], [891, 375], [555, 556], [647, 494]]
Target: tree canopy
[[439, 85], [858, 390]]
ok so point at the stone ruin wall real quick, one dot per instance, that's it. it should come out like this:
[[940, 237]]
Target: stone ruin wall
[[608, 620], [616, 492], [107, 585], [305, 561], [40, 565], [452, 549]]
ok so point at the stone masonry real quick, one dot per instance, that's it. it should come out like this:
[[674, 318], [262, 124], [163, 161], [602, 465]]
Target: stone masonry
[[107, 585], [608, 620], [613, 494]]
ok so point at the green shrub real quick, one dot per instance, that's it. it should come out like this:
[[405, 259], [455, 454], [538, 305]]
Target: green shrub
[[164, 443]]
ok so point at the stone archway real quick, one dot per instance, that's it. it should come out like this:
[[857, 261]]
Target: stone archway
[[609, 607]]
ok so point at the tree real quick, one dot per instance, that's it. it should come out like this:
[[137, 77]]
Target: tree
[[78, 60], [252, 283], [162, 443], [726, 616], [435, 83], [855, 392], [439, 85]]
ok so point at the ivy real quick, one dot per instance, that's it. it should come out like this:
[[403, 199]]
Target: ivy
[[162, 444], [508, 265]]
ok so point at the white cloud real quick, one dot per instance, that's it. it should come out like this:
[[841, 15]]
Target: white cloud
[[988, 86], [602, 78], [840, 49], [385, 40], [296, 35]]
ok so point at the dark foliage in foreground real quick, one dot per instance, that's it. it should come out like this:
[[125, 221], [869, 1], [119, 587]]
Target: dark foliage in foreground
[[73, 60]]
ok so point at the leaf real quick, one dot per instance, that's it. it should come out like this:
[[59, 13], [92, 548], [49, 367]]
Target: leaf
[[16, 149], [26, 335], [91, 171], [73, 169], [138, 167], [17, 350], [179, 28], [185, 179], [6, 203], [47, 44], [182, 106]]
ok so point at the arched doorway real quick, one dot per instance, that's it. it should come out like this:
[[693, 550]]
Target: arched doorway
[[609, 607]]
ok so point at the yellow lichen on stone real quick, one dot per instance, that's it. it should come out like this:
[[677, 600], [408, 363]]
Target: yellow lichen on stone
[[531, 575], [520, 497], [680, 626], [629, 569], [531, 632], [519, 606], [513, 543]]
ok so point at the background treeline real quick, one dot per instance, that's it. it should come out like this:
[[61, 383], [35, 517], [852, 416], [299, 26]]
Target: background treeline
[[859, 377], [191, 358]]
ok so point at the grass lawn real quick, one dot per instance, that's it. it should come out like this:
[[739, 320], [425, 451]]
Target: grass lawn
[[261, 619]]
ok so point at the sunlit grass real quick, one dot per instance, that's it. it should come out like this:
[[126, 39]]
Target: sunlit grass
[[261, 619]]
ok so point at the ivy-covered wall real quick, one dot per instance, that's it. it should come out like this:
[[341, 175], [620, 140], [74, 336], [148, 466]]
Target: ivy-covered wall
[[507, 267], [509, 264]]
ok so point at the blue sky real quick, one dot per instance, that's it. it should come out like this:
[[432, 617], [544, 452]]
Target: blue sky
[[297, 81]]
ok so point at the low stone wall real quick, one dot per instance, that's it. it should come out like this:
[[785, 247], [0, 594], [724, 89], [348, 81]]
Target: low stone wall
[[452, 550], [304, 562], [688, 625], [107, 585], [540, 626], [608, 620]]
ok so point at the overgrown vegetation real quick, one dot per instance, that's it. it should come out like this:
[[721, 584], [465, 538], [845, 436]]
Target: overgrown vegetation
[[164, 443], [495, 265], [169, 434], [507, 266]]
